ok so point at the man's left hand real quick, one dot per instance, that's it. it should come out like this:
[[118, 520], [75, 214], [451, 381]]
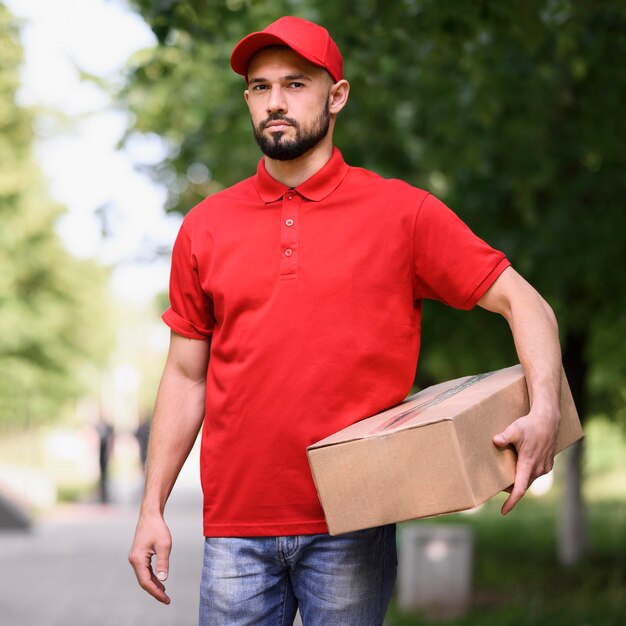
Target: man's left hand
[[534, 438]]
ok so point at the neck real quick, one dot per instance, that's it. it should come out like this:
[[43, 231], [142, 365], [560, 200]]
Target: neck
[[294, 172]]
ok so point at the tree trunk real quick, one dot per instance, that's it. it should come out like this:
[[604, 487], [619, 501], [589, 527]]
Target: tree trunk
[[572, 531], [572, 541]]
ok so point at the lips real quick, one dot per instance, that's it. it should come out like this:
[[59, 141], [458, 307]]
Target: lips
[[277, 123]]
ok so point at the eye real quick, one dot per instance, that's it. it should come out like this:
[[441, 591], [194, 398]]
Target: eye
[[295, 85], [259, 87]]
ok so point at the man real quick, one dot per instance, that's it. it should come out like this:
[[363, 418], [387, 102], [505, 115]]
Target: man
[[295, 311], [106, 439]]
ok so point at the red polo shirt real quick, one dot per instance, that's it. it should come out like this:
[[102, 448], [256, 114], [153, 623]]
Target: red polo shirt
[[312, 298]]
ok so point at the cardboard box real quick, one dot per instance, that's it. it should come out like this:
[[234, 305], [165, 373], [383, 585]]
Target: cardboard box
[[431, 454]]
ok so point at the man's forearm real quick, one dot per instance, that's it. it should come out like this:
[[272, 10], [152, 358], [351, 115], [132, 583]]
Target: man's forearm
[[536, 336], [178, 414]]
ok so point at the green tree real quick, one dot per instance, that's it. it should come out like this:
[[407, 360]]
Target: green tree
[[510, 112], [52, 306]]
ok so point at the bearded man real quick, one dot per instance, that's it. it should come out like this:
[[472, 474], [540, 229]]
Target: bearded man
[[295, 312]]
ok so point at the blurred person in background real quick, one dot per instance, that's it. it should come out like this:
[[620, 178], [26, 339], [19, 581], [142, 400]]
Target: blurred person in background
[[142, 434], [106, 436], [295, 311]]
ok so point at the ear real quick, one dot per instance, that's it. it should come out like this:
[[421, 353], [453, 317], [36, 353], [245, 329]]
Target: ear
[[338, 96], [246, 95]]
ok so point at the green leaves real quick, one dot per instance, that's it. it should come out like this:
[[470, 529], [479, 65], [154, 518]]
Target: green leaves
[[52, 306], [511, 112]]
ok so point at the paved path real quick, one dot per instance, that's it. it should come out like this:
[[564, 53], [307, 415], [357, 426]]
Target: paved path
[[72, 569]]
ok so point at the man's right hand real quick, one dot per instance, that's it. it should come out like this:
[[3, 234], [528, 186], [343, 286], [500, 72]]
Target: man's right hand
[[152, 538]]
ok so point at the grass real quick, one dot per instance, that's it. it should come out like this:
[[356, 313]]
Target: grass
[[518, 582]]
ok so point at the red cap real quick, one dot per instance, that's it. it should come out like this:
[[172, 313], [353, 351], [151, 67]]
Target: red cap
[[309, 40]]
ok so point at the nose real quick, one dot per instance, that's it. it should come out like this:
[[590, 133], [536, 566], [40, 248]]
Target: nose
[[276, 102]]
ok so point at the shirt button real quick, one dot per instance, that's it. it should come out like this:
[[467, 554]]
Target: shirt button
[[288, 252], [289, 222], [289, 196]]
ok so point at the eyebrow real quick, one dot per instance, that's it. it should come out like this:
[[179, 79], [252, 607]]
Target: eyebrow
[[294, 76]]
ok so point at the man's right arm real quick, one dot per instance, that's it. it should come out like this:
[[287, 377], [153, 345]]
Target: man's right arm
[[178, 414]]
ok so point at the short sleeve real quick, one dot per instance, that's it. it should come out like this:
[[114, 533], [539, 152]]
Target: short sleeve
[[452, 264], [191, 310]]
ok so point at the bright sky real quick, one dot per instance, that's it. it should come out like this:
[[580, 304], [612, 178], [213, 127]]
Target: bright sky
[[84, 169]]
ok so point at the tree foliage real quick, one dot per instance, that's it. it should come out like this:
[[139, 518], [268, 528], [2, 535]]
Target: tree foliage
[[510, 112], [52, 306]]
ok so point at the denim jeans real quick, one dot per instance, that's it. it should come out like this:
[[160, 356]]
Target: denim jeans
[[346, 580]]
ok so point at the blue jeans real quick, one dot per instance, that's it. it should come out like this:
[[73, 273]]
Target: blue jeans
[[346, 580]]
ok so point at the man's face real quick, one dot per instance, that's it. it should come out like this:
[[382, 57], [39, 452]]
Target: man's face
[[288, 100]]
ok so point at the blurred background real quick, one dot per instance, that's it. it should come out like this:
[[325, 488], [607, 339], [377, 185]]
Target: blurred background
[[116, 117]]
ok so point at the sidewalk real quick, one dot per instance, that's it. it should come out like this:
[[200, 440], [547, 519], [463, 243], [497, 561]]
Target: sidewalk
[[72, 569]]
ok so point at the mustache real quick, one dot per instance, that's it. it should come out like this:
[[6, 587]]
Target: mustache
[[278, 117]]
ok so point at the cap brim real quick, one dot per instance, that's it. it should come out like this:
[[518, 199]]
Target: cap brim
[[250, 45]]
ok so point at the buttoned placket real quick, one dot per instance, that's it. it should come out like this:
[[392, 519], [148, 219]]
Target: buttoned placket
[[289, 228]]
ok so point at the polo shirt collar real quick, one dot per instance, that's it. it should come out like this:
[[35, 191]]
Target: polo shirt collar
[[315, 188]]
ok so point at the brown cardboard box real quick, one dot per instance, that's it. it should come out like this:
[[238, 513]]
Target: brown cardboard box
[[431, 454]]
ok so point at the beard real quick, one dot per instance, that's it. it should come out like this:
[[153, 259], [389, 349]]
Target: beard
[[305, 139]]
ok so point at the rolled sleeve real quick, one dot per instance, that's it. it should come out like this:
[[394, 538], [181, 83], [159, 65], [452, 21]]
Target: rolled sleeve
[[191, 310]]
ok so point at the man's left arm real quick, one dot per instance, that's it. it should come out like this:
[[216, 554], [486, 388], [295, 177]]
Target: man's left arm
[[535, 333]]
